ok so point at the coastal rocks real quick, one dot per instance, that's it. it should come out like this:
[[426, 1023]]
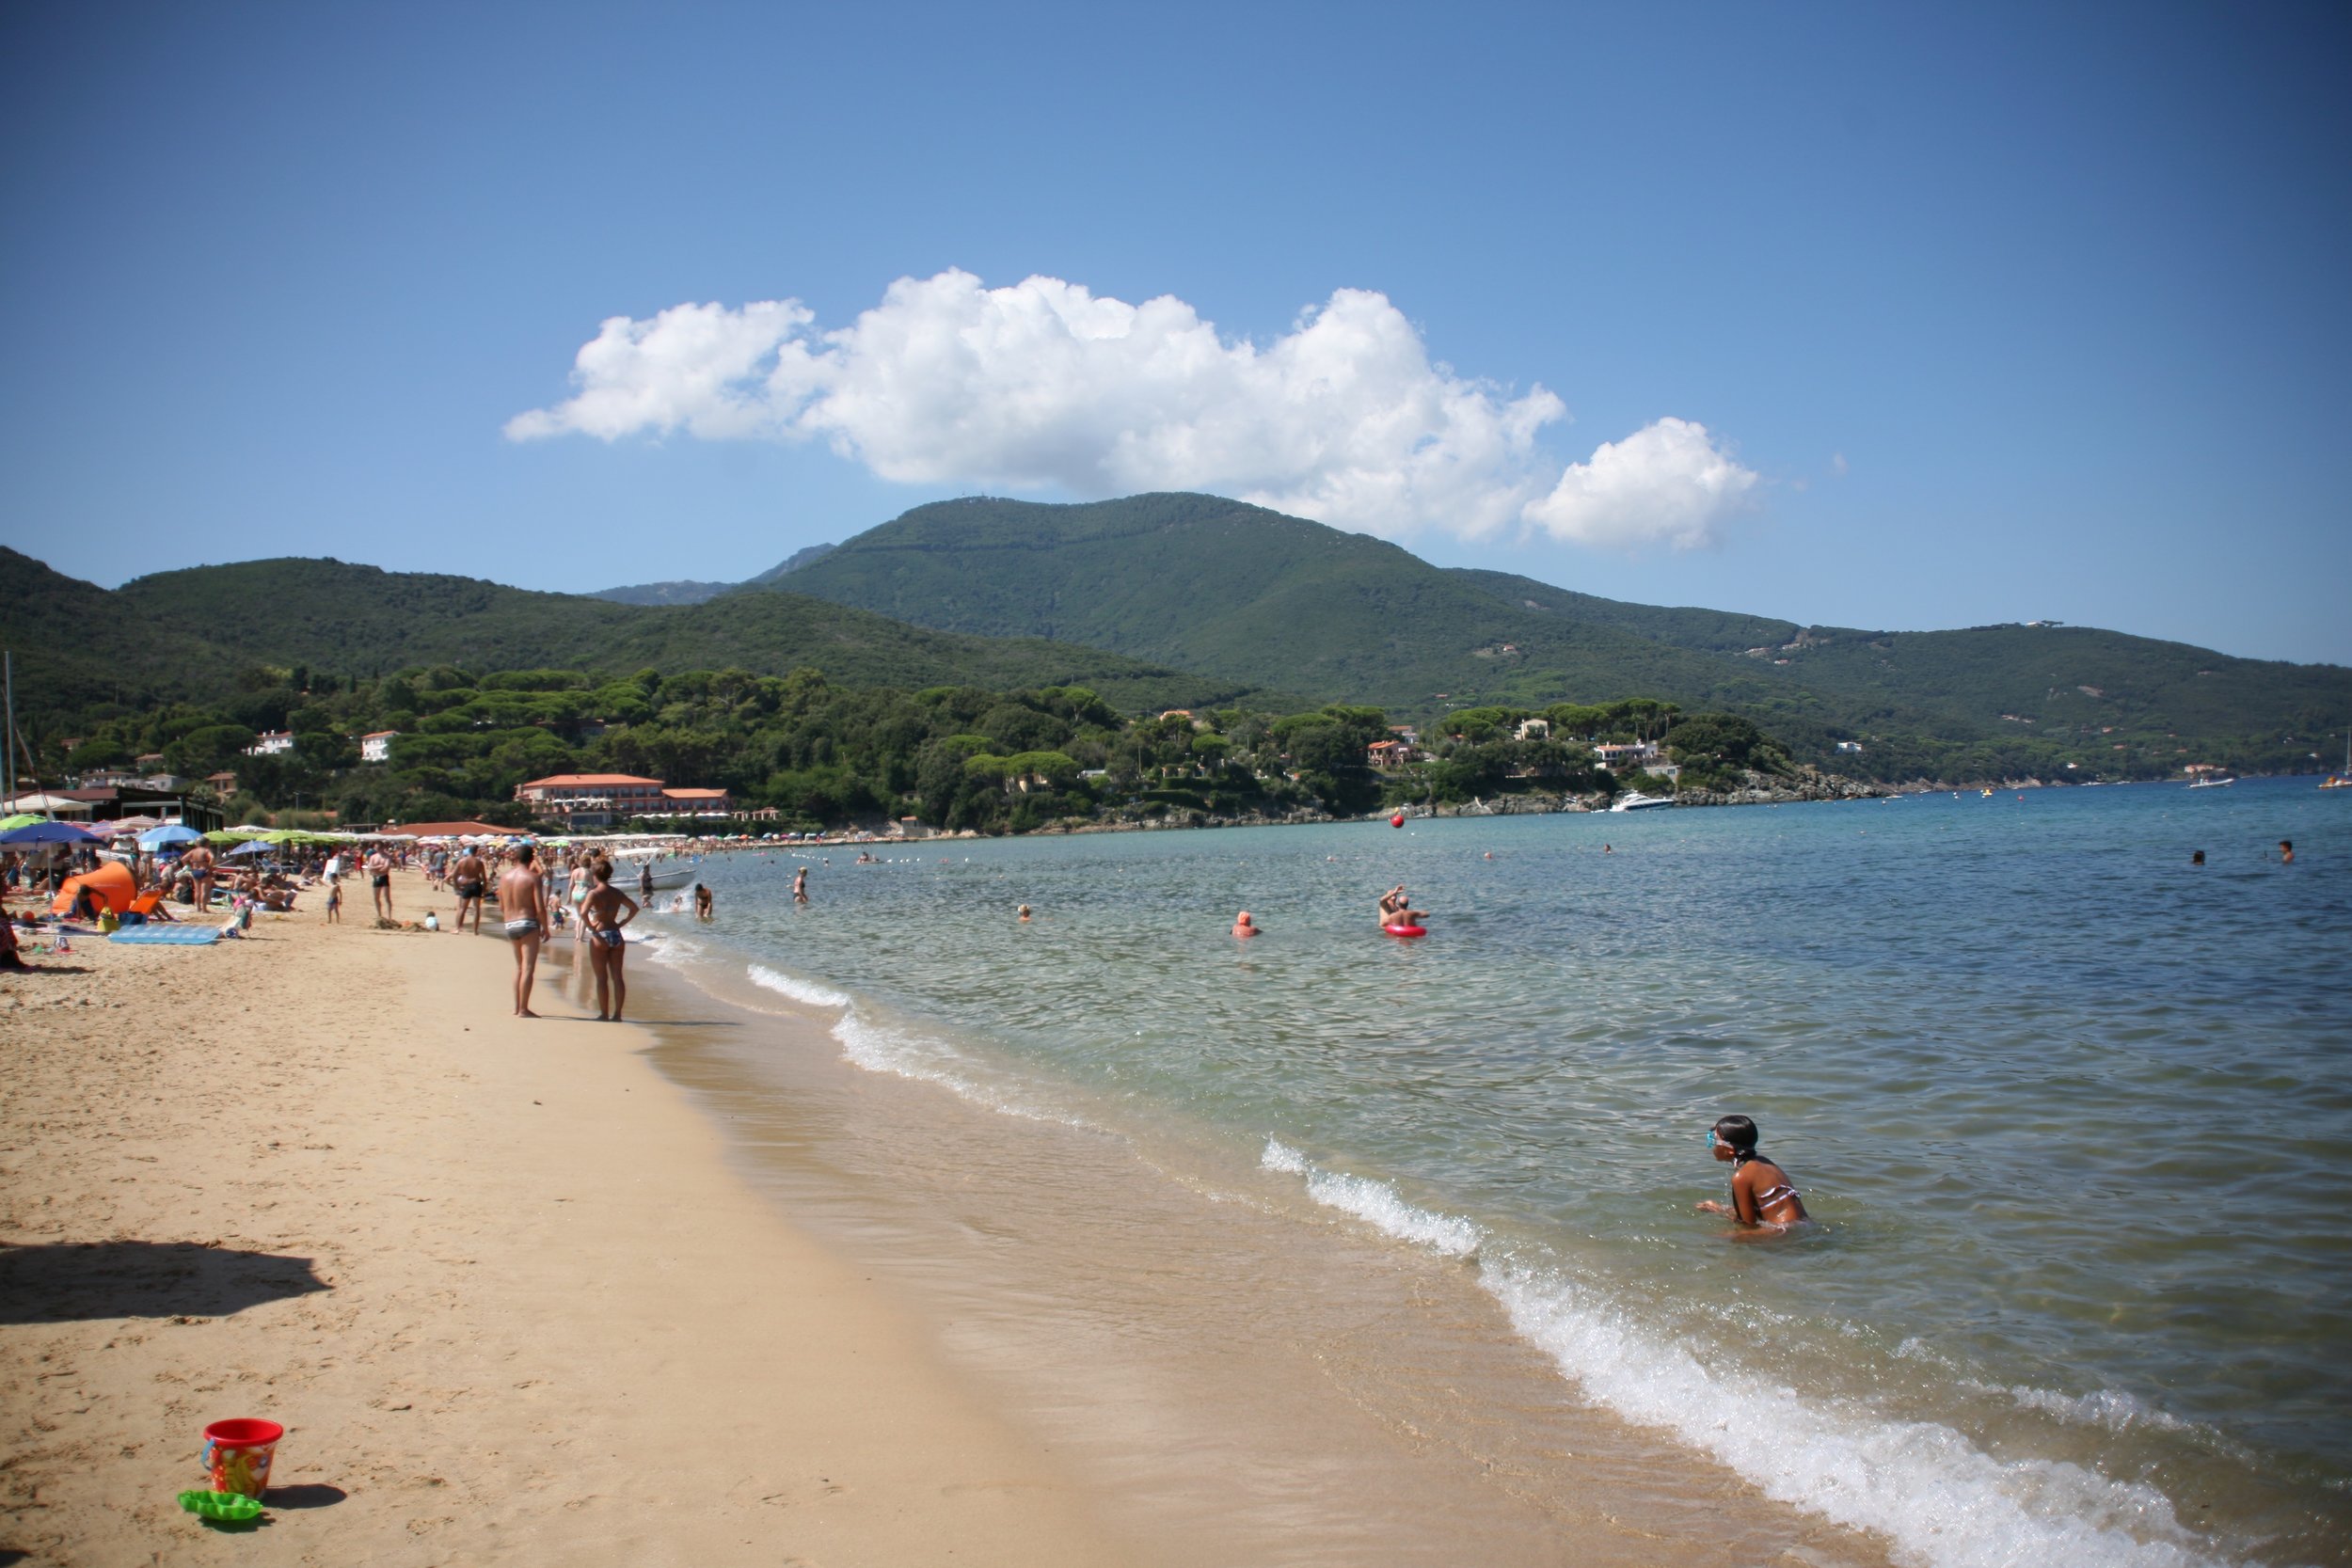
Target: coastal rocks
[[1759, 790]]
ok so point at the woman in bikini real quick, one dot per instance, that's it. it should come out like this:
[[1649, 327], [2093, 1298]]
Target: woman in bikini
[[1762, 1197], [601, 918]]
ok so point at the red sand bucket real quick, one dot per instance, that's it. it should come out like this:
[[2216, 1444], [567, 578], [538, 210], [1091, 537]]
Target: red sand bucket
[[237, 1454]]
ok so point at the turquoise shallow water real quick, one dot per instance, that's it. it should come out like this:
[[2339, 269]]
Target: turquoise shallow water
[[2069, 1108]]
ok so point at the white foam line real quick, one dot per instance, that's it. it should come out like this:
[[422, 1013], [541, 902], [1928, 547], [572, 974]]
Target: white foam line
[[807, 991], [1941, 1501], [2111, 1408]]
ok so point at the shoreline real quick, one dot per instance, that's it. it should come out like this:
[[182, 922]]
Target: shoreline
[[496, 1277], [1236, 1373]]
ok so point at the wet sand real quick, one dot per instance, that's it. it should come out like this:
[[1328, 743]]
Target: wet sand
[[1236, 1375]]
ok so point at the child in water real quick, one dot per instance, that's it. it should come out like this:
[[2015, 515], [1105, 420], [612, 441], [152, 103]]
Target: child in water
[[1762, 1197]]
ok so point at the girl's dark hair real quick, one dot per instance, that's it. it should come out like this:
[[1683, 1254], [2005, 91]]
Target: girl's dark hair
[[1739, 1132], [601, 869]]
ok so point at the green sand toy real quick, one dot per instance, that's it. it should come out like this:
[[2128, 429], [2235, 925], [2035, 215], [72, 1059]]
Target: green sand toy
[[232, 1507]]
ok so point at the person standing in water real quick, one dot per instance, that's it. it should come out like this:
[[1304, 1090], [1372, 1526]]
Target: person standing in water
[[800, 886], [1762, 1197], [602, 914], [1244, 925], [2287, 851], [523, 902], [702, 902]]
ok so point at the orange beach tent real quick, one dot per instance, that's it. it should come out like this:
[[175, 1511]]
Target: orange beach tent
[[110, 885]]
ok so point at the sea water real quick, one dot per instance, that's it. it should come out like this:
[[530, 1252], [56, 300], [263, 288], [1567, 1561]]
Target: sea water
[[2072, 1111]]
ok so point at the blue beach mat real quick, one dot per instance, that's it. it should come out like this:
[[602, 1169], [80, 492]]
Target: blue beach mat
[[169, 936]]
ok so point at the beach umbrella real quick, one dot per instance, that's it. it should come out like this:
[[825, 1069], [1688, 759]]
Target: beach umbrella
[[252, 847], [169, 833], [22, 819], [48, 833]]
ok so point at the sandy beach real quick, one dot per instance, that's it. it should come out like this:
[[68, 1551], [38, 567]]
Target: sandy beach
[[494, 1276], [558, 1291]]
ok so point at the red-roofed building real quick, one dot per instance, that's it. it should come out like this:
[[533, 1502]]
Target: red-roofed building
[[697, 802], [592, 800]]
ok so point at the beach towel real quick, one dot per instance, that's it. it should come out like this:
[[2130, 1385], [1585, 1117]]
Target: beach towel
[[169, 936]]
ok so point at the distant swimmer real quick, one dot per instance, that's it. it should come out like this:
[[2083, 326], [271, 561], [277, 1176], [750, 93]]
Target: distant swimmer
[[1242, 926], [1608, 849], [2196, 859], [1397, 910], [2287, 851], [1024, 914], [1762, 1197], [800, 886]]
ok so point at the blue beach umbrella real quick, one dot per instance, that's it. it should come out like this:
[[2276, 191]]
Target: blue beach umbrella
[[252, 847], [167, 835], [49, 833]]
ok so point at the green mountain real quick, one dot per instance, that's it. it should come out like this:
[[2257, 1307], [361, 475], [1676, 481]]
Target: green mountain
[[681, 592], [1200, 583], [1250, 594], [197, 633]]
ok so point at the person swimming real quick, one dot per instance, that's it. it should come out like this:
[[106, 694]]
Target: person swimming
[[1242, 926], [1762, 1197]]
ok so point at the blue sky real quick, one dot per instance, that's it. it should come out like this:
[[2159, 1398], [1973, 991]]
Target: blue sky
[[1896, 316]]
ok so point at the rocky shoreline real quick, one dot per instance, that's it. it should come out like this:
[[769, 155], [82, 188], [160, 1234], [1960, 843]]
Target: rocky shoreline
[[1759, 790]]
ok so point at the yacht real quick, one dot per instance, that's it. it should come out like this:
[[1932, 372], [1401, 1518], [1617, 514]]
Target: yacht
[[1639, 801]]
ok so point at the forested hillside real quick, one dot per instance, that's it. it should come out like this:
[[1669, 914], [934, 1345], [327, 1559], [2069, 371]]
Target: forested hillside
[[203, 632], [1252, 595]]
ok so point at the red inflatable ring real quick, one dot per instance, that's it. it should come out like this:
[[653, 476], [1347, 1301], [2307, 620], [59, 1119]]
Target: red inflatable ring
[[1406, 930]]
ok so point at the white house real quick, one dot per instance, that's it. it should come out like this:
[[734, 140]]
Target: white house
[[271, 743], [376, 746]]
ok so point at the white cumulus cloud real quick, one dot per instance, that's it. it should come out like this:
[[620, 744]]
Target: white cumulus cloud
[[1344, 418], [1667, 483]]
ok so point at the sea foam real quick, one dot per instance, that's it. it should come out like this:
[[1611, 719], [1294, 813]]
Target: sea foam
[[1938, 1498], [806, 992]]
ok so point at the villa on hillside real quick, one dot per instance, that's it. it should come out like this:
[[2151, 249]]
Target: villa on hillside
[[376, 745], [600, 800]]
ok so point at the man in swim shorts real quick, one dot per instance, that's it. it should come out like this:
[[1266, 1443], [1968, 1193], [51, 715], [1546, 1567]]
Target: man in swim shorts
[[380, 882], [471, 879], [523, 900]]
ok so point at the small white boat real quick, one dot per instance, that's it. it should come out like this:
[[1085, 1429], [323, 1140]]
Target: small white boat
[[2211, 784], [1639, 801]]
